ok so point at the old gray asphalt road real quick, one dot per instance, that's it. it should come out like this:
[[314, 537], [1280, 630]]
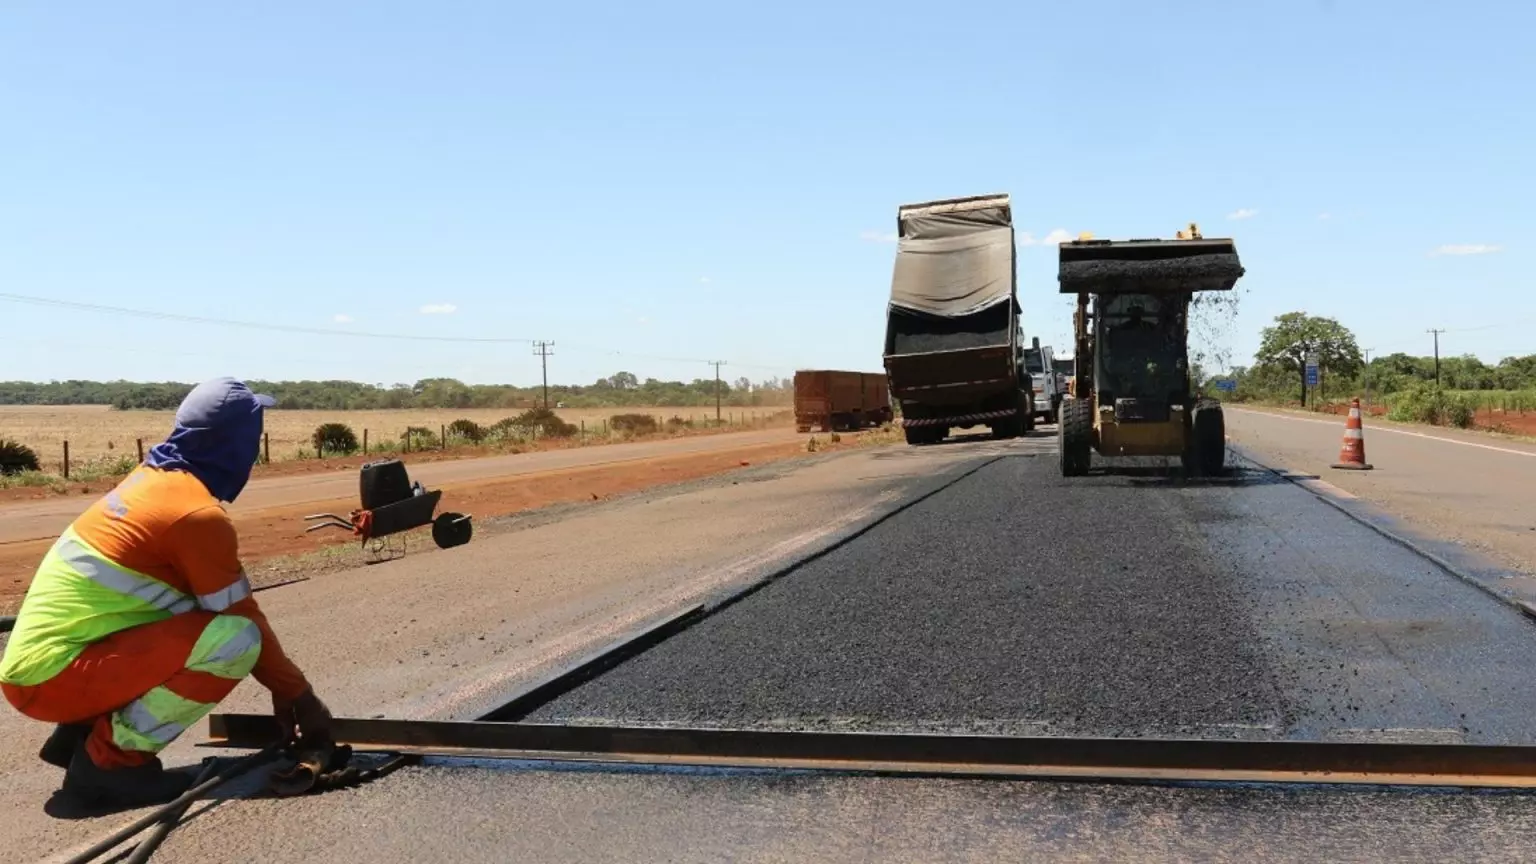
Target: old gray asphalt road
[[45, 519], [1461, 486], [1127, 604], [446, 634]]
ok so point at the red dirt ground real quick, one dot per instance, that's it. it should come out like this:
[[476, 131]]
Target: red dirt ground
[[279, 532], [293, 467]]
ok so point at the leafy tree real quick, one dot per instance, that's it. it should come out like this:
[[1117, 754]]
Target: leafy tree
[[1297, 334]]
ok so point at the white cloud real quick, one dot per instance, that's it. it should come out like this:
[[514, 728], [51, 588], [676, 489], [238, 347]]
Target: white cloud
[[1056, 237], [1466, 249], [877, 236], [342, 318], [643, 320], [1243, 213], [1324, 217], [703, 280], [438, 309]]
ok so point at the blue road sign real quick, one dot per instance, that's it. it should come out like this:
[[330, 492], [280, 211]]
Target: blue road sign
[[1227, 384], [1311, 375]]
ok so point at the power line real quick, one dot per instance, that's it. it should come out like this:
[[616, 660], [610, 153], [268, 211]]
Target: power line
[[356, 334], [254, 325]]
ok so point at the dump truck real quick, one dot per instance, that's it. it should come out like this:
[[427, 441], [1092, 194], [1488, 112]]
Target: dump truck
[[834, 400], [952, 342], [1131, 393]]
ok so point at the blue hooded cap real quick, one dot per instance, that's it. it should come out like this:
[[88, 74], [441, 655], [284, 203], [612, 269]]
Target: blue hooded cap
[[217, 436]]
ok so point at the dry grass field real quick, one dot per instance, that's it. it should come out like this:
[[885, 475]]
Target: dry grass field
[[95, 431]]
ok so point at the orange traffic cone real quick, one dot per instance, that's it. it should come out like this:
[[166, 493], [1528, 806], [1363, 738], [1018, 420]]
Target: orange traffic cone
[[1352, 454]]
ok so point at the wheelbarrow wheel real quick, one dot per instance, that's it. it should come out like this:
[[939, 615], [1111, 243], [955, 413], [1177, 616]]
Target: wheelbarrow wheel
[[451, 529]]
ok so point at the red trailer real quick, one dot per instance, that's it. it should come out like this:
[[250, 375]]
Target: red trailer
[[836, 400]]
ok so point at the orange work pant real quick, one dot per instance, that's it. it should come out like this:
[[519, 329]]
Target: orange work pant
[[119, 670]]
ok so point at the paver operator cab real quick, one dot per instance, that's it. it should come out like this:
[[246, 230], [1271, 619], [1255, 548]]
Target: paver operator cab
[[1131, 392], [952, 346]]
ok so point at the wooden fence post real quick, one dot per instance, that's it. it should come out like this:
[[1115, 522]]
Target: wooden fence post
[[66, 458], [139, 443], [365, 442], [442, 436], [266, 447]]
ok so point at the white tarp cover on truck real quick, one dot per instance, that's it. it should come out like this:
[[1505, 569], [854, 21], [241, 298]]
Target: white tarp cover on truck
[[955, 257]]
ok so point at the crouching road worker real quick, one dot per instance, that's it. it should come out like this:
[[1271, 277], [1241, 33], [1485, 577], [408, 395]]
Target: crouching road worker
[[140, 619]]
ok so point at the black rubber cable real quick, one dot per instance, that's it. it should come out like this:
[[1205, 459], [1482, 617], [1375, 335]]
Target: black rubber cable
[[180, 804], [162, 829]]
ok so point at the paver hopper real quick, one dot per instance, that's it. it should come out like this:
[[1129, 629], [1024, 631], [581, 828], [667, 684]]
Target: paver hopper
[[1131, 392]]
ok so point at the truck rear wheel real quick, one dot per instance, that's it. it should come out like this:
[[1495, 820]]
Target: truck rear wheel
[[1074, 434], [925, 434]]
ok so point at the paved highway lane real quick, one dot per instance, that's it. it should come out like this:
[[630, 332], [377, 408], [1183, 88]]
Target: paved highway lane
[[1012, 599], [1116, 604], [1459, 486], [446, 634], [45, 519]]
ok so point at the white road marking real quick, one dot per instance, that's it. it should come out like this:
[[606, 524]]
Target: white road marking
[[1393, 431]]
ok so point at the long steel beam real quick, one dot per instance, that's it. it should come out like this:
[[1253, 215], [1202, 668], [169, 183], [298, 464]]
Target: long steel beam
[[1465, 765]]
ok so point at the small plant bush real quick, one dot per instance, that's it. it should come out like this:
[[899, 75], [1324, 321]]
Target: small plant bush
[[1428, 404], [545, 423], [418, 438], [334, 438], [635, 424], [16, 457], [466, 430]]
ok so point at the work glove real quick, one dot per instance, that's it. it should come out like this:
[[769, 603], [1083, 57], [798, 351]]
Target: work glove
[[306, 716]]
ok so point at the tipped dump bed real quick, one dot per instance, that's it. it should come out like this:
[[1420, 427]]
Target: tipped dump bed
[[954, 257], [1148, 266]]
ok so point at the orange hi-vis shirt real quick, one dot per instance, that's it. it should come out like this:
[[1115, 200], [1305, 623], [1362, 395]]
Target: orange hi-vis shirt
[[156, 545]]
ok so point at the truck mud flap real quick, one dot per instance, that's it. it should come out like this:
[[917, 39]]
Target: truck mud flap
[[958, 419]]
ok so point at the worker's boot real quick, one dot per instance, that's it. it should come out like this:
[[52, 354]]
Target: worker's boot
[[61, 745], [122, 788]]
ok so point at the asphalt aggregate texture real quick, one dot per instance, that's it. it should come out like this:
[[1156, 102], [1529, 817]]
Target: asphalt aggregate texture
[[1131, 602], [1013, 601], [467, 813]]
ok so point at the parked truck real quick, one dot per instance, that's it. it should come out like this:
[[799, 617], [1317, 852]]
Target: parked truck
[[952, 342], [1040, 364], [834, 400], [1065, 368]]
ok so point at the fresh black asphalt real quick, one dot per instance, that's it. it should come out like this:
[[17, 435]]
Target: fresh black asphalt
[[1127, 603]]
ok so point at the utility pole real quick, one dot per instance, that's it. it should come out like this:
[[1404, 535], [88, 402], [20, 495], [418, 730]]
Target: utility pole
[[717, 364], [543, 351], [1366, 377], [1437, 355]]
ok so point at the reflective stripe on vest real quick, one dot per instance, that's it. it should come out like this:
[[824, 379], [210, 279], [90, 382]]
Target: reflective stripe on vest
[[227, 596], [96, 567]]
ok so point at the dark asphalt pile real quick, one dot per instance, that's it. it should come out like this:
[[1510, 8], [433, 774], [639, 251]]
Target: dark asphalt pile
[[914, 333], [1187, 268], [1010, 600]]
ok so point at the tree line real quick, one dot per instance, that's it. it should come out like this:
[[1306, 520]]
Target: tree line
[[1279, 368], [618, 390]]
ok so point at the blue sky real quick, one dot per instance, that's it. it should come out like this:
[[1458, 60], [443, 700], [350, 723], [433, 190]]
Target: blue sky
[[693, 181]]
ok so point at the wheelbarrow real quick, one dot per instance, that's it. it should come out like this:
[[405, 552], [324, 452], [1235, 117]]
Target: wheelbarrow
[[391, 504]]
